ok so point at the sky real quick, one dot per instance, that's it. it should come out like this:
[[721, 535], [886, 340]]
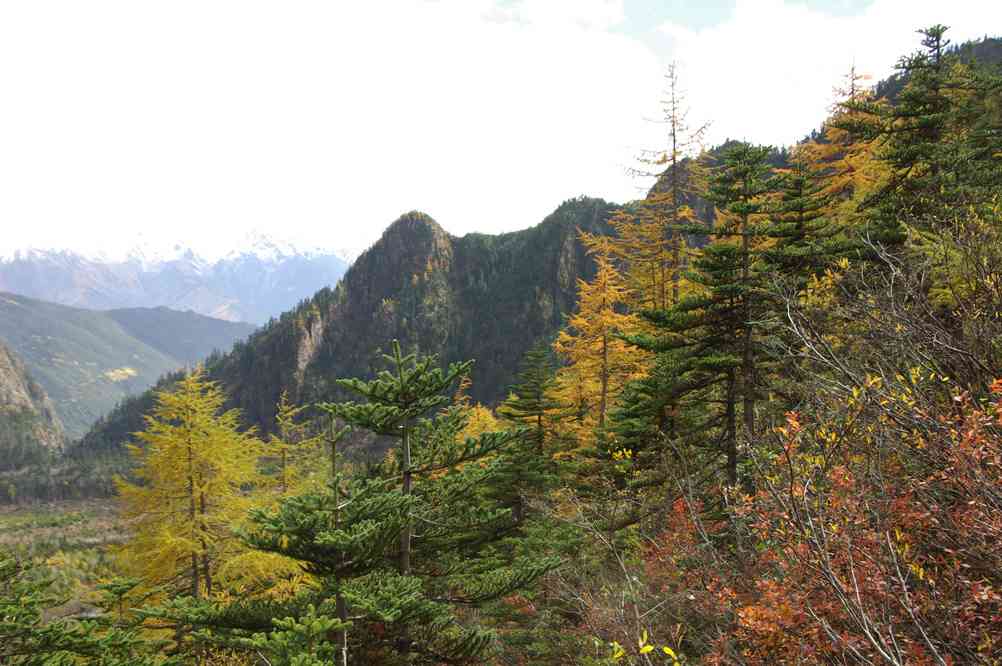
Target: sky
[[201, 122]]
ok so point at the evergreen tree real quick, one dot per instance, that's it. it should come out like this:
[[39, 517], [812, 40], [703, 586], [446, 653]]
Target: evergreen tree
[[939, 139], [27, 639], [530, 407], [739, 188], [805, 237], [710, 349], [400, 551]]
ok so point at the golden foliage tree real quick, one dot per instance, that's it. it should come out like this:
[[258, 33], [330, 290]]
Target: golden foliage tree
[[600, 363], [847, 155], [192, 467], [649, 242], [296, 450]]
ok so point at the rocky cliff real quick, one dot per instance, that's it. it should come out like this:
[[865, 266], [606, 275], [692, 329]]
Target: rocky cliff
[[29, 426]]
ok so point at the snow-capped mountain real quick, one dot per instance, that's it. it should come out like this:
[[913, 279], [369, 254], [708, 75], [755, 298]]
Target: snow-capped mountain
[[259, 278]]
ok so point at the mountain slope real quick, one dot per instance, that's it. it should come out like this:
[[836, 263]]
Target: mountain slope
[[88, 361], [487, 298], [187, 336], [28, 423], [250, 286]]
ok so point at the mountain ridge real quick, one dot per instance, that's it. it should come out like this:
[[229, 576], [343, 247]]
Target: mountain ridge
[[479, 296]]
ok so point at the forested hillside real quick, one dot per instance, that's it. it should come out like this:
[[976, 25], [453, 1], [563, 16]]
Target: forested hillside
[[88, 361], [632, 434]]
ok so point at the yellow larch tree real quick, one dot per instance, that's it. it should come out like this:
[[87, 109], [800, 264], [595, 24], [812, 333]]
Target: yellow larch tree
[[599, 362], [295, 448], [845, 155], [649, 241], [192, 468]]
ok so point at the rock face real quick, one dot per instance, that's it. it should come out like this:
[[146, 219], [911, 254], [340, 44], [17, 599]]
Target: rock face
[[481, 297], [28, 423]]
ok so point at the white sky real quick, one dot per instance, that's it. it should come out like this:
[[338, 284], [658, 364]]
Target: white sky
[[195, 121]]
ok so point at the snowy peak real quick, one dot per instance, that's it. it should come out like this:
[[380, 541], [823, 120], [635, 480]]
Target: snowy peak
[[261, 277]]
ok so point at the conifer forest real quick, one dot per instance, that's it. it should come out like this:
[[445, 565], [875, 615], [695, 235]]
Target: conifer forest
[[753, 416]]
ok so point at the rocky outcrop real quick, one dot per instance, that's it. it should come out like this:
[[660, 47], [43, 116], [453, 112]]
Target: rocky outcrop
[[28, 423]]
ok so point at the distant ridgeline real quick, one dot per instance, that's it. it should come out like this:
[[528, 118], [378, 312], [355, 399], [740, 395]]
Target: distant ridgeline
[[246, 286], [481, 297]]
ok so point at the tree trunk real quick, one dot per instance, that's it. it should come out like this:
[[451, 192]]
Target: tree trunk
[[748, 365], [603, 399], [731, 425], [206, 570], [195, 588], [405, 535], [340, 604]]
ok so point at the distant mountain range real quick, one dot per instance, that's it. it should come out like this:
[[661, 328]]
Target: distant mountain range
[[252, 284], [482, 297], [88, 361]]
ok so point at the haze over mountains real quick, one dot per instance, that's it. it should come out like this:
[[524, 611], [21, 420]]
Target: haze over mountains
[[257, 281]]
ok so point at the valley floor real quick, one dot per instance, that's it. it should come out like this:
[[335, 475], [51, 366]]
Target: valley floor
[[71, 540]]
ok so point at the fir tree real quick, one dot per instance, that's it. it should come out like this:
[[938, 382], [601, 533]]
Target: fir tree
[[709, 350], [941, 153], [530, 407]]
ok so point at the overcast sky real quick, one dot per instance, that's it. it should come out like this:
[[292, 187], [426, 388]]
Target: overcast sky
[[321, 122]]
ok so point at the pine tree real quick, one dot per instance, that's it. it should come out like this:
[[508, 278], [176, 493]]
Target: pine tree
[[187, 495]]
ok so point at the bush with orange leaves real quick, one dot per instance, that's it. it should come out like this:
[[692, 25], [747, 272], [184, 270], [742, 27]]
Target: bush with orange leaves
[[879, 533]]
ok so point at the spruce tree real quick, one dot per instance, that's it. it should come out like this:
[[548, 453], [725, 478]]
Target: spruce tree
[[526, 465], [710, 347], [939, 138], [805, 238]]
